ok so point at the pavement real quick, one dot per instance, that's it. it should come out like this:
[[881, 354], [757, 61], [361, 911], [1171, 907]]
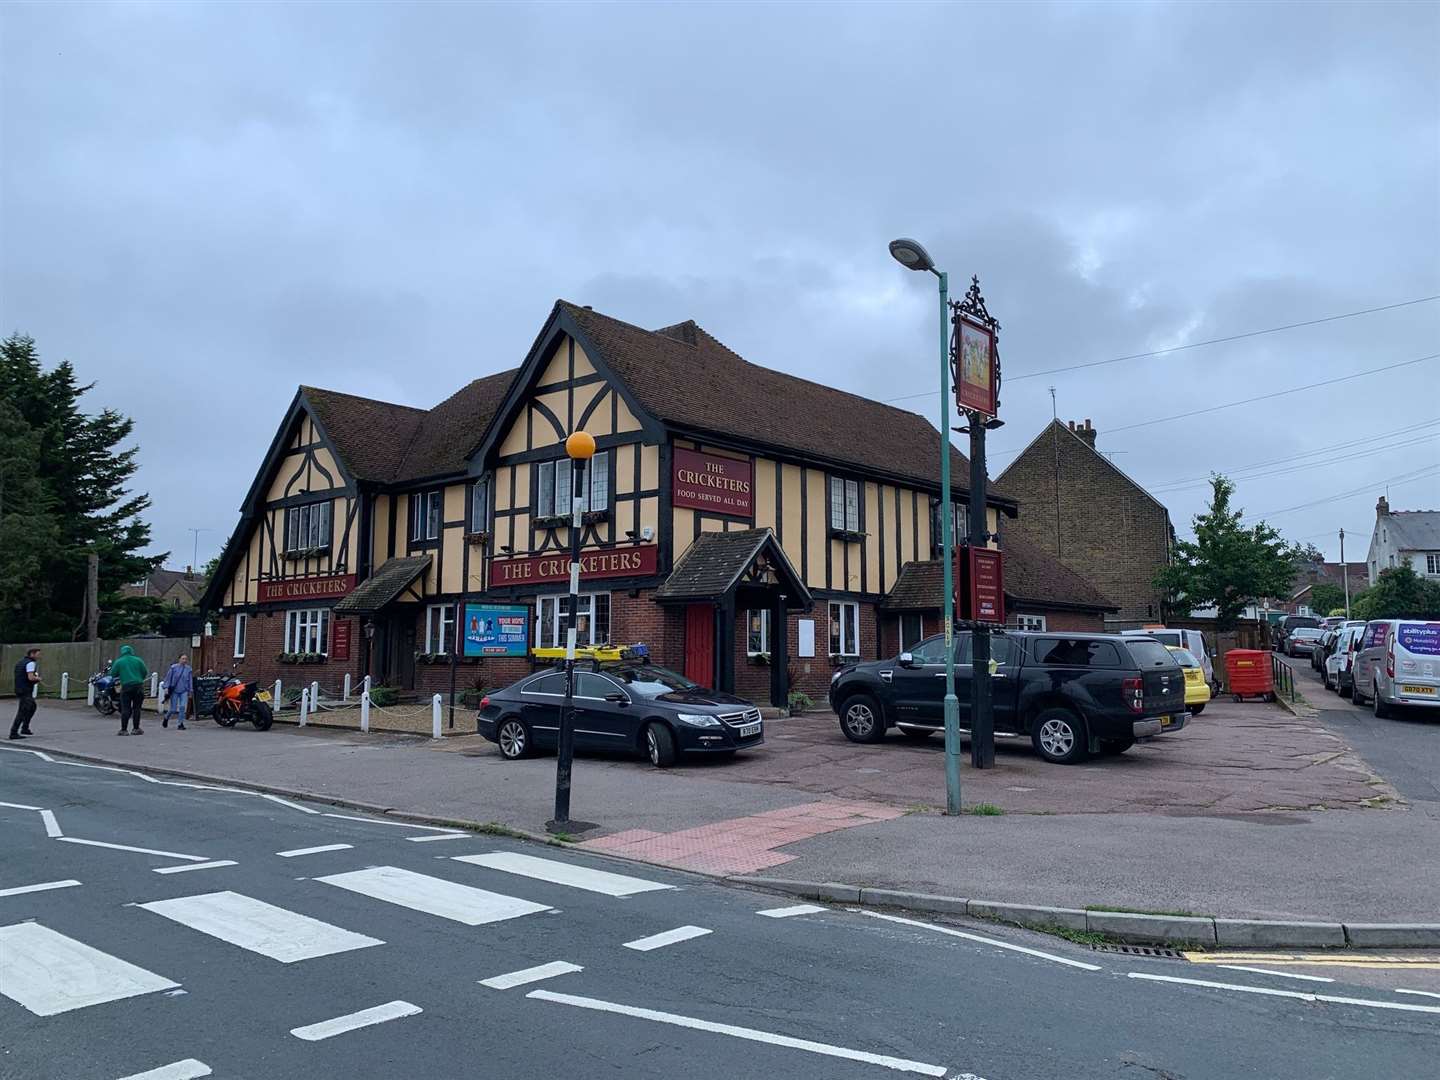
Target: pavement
[[851, 817], [155, 928]]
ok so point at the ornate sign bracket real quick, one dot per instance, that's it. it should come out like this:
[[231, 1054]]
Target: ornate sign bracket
[[972, 312]]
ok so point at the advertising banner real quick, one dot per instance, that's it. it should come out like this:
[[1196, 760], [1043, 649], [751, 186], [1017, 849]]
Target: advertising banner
[[1422, 639], [720, 485], [496, 630]]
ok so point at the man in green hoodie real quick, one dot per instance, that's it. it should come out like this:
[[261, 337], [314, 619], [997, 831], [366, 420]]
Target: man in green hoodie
[[130, 672]]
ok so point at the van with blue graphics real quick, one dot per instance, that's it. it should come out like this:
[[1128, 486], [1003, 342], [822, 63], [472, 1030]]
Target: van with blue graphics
[[1407, 671]]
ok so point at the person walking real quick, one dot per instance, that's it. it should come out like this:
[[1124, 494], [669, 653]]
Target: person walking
[[27, 683], [179, 681], [130, 671]]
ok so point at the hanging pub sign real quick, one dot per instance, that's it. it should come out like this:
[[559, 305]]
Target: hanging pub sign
[[980, 585], [975, 365]]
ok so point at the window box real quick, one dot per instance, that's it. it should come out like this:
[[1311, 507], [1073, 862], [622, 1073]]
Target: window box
[[308, 553], [479, 539], [760, 659], [434, 658], [850, 536], [301, 658]]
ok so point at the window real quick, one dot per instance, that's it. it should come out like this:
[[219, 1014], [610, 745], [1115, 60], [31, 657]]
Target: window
[[308, 631], [553, 497], [844, 628], [593, 686], [844, 505], [439, 628], [240, 621], [307, 528], [591, 628], [929, 652], [425, 515], [479, 506], [1074, 652], [757, 636], [554, 683], [959, 512], [1432, 563], [912, 629], [1027, 622]]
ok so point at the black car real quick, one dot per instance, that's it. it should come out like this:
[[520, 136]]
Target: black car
[[626, 706], [1072, 694]]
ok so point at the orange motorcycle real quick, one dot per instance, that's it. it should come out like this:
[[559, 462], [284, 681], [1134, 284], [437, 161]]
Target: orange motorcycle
[[240, 700]]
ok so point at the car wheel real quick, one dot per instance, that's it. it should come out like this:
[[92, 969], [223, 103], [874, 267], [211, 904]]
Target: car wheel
[[513, 737], [916, 734], [861, 720], [1356, 697], [1115, 747], [1059, 737], [1196, 710], [1380, 706], [660, 745]]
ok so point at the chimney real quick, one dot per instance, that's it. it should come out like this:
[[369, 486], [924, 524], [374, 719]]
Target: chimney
[[1084, 431], [1382, 507]]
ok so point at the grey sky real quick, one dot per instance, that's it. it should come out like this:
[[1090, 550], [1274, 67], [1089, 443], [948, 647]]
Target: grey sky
[[203, 205]]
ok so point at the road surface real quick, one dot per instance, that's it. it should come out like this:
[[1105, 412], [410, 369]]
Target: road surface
[[150, 927]]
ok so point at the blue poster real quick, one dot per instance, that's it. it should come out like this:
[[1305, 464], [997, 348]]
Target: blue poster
[[1422, 639], [496, 630]]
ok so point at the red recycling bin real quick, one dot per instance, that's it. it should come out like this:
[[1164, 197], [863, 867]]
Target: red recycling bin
[[1249, 674]]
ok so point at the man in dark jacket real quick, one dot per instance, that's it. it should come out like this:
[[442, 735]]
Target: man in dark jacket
[[130, 672], [27, 681]]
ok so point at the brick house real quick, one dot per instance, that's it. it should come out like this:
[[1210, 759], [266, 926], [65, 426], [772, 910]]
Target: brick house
[[1105, 526], [173, 588], [725, 500], [1041, 593]]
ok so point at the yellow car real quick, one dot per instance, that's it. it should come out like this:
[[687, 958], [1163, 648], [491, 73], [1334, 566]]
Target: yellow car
[[1197, 693]]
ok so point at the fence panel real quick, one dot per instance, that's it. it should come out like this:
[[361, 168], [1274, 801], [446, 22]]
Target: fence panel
[[83, 658]]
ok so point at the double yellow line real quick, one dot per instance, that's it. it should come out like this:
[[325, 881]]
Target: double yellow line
[[1429, 962]]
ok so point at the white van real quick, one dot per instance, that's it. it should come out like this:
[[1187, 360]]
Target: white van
[[1192, 640], [1408, 670]]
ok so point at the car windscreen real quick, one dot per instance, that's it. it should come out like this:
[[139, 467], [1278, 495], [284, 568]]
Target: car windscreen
[[651, 680], [1305, 633], [1150, 654], [1293, 621]]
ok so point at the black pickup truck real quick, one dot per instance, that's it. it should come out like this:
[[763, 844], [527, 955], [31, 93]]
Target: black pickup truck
[[1073, 694]]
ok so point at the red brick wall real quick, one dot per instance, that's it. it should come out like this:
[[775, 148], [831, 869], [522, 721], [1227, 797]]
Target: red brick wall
[[264, 641]]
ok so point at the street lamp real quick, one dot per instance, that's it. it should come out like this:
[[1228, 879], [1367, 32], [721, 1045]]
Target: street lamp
[[912, 255], [580, 447]]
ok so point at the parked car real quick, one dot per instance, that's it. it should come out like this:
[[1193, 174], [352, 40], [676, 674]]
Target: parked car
[[1072, 694], [1191, 640], [1332, 622], [1371, 651], [1339, 673], [1303, 639], [624, 706], [1282, 630], [1197, 690], [1322, 650], [1408, 671]]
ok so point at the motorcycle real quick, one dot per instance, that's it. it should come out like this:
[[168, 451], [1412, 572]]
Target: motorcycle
[[238, 700], [107, 692]]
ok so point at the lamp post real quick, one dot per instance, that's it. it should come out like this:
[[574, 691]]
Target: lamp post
[[580, 447], [1345, 574], [913, 256]]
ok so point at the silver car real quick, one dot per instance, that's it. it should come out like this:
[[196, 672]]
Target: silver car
[[1408, 670]]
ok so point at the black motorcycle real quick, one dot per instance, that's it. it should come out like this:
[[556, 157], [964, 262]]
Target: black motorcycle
[[107, 692]]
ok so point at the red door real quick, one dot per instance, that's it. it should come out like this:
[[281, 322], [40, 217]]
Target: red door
[[700, 643]]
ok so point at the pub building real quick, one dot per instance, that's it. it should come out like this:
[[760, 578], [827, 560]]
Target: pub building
[[745, 524]]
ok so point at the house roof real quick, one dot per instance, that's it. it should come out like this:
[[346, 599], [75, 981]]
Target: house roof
[[1032, 576], [715, 562], [1070, 433], [159, 582], [1414, 530], [382, 587]]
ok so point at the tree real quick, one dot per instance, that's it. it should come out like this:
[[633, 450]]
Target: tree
[[28, 531], [82, 475], [1325, 598], [1228, 566], [1399, 593]]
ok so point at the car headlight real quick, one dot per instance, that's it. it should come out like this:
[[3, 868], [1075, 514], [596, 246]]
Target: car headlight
[[698, 720]]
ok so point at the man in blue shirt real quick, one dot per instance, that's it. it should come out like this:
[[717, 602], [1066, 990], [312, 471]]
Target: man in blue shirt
[[179, 681]]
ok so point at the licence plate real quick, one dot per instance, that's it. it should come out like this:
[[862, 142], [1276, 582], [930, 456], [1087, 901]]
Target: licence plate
[[1407, 689], [263, 695], [748, 730]]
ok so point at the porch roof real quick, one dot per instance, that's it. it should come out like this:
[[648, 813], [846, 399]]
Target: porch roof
[[383, 587], [718, 562]]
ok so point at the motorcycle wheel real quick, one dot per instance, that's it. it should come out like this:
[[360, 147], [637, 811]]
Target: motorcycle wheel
[[222, 719], [104, 706], [261, 716]]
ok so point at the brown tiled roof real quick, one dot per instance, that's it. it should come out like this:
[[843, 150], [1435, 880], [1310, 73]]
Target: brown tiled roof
[[685, 377], [715, 561], [382, 587], [452, 429], [1032, 575]]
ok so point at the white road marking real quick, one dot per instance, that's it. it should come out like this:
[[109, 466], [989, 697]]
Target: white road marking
[[434, 896], [261, 928], [49, 973], [985, 940], [559, 873], [751, 1034], [293, 852], [531, 974], [19, 806], [1420, 993], [127, 847], [441, 836], [392, 1010], [788, 912], [43, 886], [395, 824], [52, 827], [193, 866], [189, 1069], [1295, 994], [1278, 974], [669, 937], [277, 800]]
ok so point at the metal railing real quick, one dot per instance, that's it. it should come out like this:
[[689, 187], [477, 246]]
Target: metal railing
[[1284, 676]]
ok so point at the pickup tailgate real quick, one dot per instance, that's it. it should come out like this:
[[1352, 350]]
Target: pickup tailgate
[[1163, 678]]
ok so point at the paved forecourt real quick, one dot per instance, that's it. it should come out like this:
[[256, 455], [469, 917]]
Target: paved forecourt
[[292, 940]]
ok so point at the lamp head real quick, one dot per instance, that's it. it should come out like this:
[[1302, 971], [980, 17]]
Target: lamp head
[[911, 254], [580, 446]]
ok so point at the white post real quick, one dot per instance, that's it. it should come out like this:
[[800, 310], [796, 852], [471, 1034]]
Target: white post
[[365, 711], [365, 686], [154, 684], [64, 685], [435, 717], [304, 702], [279, 701], [314, 695], [345, 688], [89, 693]]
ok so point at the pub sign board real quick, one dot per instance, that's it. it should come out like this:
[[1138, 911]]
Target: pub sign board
[[332, 587], [640, 561], [340, 639], [976, 386], [980, 585], [496, 630], [719, 485]]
